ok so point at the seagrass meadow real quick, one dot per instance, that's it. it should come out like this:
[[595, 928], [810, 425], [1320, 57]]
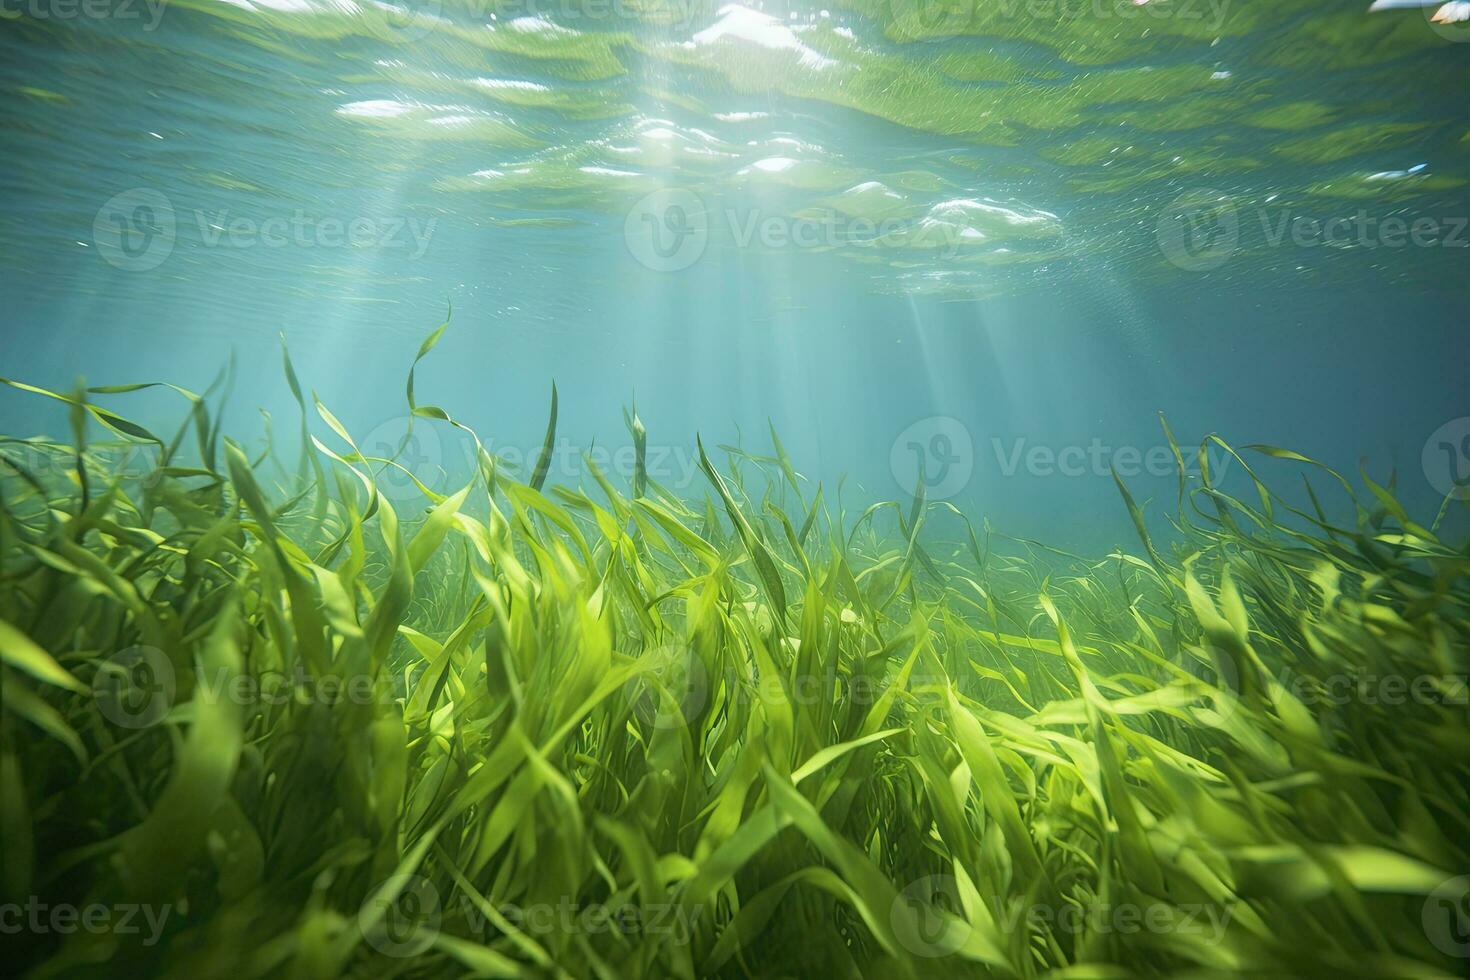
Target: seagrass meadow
[[259, 720]]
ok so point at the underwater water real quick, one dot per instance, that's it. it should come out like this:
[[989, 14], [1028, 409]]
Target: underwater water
[[674, 488]]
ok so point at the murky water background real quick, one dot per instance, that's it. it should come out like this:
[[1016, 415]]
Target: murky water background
[[985, 241]]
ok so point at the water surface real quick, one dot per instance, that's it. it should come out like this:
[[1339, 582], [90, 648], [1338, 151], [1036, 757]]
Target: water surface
[[1024, 227]]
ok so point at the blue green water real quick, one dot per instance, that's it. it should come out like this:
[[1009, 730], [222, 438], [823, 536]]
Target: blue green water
[[985, 242]]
